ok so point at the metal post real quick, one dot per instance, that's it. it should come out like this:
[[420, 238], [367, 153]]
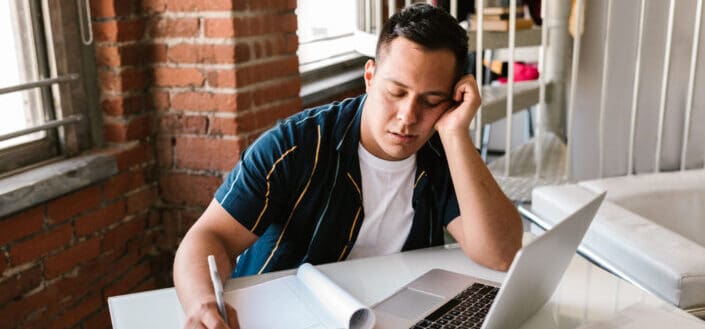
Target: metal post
[[391, 8], [557, 55], [538, 146], [635, 93], [510, 87], [691, 80], [603, 91], [664, 85], [573, 86], [479, 8]]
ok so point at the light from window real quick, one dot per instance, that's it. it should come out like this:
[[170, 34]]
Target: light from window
[[18, 64], [325, 29]]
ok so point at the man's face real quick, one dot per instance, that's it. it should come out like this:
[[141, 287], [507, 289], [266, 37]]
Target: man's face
[[407, 92]]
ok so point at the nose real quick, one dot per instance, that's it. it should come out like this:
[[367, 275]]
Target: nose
[[406, 112]]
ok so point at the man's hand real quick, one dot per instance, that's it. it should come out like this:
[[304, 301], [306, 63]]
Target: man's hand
[[205, 315], [466, 99]]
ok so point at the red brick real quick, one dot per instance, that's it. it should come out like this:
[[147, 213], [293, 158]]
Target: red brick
[[135, 128], [100, 219], [161, 100], [183, 124], [73, 316], [124, 105], [195, 101], [110, 8], [220, 28], [222, 78], [19, 284], [141, 200], [189, 5], [129, 281], [118, 31], [40, 245], [116, 238], [21, 224], [169, 27], [165, 153], [124, 182], [262, 24], [115, 266], [135, 154], [266, 116], [126, 55], [207, 153], [247, 75], [282, 90], [15, 312], [250, 121], [147, 285], [185, 189], [131, 79], [157, 53], [207, 53], [107, 56], [250, 74], [71, 257], [3, 262], [177, 77], [70, 205], [224, 126], [100, 320]]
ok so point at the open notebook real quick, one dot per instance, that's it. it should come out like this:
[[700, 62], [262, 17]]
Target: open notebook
[[306, 300]]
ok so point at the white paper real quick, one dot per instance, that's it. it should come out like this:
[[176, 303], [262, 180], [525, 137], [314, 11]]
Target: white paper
[[308, 300]]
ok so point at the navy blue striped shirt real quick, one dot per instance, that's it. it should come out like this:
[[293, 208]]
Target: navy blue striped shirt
[[298, 188]]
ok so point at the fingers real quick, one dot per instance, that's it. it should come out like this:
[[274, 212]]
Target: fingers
[[466, 90], [232, 317], [208, 317]]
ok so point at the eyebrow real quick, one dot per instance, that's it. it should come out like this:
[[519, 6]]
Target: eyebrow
[[428, 93]]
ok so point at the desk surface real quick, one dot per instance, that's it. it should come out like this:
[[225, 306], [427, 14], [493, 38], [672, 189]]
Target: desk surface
[[586, 292]]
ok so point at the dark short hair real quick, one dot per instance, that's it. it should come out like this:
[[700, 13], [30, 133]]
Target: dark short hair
[[431, 27]]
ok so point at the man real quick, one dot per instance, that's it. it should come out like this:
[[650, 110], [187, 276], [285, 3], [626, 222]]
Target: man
[[372, 175]]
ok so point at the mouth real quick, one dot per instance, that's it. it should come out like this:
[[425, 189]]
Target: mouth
[[401, 137]]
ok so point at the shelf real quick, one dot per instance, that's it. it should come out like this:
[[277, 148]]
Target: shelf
[[494, 99], [497, 40]]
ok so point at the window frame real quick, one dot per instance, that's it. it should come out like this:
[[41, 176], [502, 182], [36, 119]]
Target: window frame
[[60, 53]]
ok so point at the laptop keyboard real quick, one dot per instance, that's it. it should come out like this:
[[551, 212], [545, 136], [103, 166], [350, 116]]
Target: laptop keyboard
[[466, 310]]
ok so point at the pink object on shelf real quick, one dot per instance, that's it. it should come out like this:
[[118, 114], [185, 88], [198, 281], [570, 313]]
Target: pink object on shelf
[[522, 72]]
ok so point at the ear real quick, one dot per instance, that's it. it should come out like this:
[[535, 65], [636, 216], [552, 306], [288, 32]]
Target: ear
[[369, 73]]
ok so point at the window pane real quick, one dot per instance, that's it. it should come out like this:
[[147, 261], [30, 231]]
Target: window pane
[[322, 19], [325, 29], [18, 64]]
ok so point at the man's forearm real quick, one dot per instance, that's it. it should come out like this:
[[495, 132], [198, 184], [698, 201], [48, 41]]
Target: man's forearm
[[191, 274], [491, 226]]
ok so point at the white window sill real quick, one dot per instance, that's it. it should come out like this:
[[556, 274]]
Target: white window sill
[[326, 80], [33, 187]]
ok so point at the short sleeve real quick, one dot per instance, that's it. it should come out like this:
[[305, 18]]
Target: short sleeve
[[449, 204], [254, 191]]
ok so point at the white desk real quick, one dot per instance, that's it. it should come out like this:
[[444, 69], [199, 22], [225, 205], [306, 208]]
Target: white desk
[[586, 292]]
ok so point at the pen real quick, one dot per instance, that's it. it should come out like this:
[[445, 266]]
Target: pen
[[217, 287]]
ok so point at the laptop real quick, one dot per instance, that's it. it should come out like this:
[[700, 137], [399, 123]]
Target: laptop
[[444, 299]]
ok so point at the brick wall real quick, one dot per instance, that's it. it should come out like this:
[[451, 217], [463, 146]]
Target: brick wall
[[227, 71], [185, 86], [60, 260]]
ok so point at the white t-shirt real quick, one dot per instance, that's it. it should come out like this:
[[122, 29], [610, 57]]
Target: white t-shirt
[[387, 191]]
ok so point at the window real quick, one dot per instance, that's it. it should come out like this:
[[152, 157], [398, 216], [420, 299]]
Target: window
[[48, 96], [326, 32]]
